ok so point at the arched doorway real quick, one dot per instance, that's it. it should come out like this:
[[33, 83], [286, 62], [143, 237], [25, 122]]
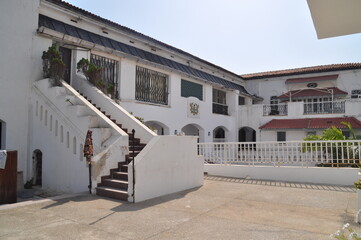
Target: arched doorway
[[37, 167], [160, 128], [194, 130], [219, 134], [246, 134]]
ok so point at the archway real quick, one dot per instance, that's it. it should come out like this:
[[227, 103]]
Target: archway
[[37, 167], [219, 134], [160, 128], [194, 130], [246, 134]]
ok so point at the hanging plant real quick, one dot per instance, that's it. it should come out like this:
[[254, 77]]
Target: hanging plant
[[53, 66]]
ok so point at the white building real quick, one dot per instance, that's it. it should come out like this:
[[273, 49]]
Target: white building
[[171, 90], [300, 102]]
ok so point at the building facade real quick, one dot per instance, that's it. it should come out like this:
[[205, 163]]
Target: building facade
[[300, 102]]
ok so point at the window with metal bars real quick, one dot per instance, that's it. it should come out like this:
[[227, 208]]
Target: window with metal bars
[[151, 86], [219, 102], [109, 73]]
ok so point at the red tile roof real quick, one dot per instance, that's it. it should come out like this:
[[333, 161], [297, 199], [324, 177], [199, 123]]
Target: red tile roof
[[312, 79], [304, 70], [313, 93], [311, 123]]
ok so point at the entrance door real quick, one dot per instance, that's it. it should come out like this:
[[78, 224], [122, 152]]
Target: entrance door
[[37, 167], [65, 54]]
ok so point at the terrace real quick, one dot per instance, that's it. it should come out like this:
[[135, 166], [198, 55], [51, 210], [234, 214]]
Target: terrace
[[224, 208]]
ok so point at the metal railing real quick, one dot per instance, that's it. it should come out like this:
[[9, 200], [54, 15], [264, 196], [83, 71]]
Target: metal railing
[[109, 74], [275, 109], [324, 107], [292, 153], [220, 108]]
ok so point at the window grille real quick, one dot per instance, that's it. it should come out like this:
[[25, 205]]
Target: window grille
[[110, 73], [219, 102], [190, 89], [151, 86], [241, 101]]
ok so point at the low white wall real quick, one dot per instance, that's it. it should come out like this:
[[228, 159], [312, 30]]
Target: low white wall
[[168, 164], [321, 175]]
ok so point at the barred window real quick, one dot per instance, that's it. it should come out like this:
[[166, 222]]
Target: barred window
[[151, 86], [191, 89], [241, 100], [110, 73], [219, 102]]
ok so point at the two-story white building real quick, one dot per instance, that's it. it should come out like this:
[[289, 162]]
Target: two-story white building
[[172, 91], [300, 102]]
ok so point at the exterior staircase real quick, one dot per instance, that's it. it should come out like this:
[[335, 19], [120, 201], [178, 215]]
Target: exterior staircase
[[115, 185]]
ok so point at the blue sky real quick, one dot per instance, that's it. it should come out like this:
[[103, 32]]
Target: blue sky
[[238, 35]]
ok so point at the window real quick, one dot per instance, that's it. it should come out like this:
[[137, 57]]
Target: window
[[281, 136], [109, 73], [241, 100], [219, 102], [356, 94], [151, 86], [190, 89]]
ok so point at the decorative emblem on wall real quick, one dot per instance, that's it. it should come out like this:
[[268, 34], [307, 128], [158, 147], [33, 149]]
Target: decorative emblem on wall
[[194, 108]]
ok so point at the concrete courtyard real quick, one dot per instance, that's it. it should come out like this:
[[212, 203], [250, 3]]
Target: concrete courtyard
[[224, 208]]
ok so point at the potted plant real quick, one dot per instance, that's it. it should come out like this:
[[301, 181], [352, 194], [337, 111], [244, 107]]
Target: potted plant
[[110, 90], [53, 66], [91, 71]]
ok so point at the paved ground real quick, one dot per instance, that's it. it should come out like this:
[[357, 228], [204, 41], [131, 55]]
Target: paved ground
[[224, 208]]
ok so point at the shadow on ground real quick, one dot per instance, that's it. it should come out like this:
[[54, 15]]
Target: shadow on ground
[[282, 184]]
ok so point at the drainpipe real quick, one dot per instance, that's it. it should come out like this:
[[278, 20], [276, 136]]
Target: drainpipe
[[133, 170]]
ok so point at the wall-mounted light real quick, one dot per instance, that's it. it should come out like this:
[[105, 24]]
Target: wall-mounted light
[[175, 132], [209, 133]]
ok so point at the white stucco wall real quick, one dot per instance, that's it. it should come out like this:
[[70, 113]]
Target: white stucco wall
[[317, 175], [174, 115], [168, 164], [20, 66]]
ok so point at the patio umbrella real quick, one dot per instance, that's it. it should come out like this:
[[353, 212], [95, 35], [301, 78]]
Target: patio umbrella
[[88, 153]]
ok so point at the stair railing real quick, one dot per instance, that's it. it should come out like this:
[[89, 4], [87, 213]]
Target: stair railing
[[133, 169]]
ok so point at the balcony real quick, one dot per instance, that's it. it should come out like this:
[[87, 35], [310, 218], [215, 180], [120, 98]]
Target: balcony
[[275, 110], [324, 107], [220, 109]]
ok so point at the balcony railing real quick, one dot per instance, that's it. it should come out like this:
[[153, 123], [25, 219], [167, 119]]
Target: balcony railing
[[275, 109], [324, 107], [220, 108]]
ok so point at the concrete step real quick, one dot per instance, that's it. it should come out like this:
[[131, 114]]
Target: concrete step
[[115, 183], [120, 175], [112, 193]]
